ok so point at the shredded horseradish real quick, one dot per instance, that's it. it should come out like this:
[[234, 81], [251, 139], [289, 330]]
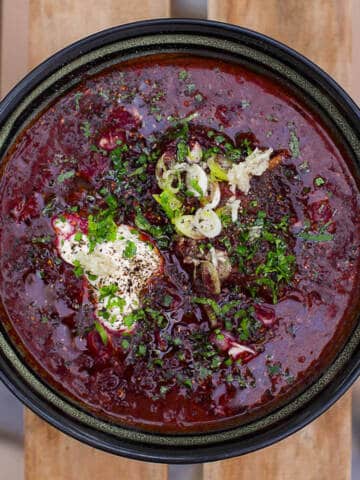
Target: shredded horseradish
[[234, 206], [255, 164], [107, 266]]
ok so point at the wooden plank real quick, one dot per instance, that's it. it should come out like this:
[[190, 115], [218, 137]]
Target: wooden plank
[[320, 451], [325, 32], [13, 43], [47, 449], [354, 88], [51, 455], [320, 29], [43, 27], [53, 23]]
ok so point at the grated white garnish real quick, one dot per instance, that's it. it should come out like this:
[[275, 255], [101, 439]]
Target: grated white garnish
[[213, 256], [106, 266], [234, 205], [255, 164], [255, 232]]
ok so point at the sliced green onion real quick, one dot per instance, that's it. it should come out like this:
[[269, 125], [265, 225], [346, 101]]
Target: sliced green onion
[[160, 170], [215, 195], [207, 222], [185, 226], [172, 181], [196, 177], [171, 205], [195, 154], [217, 172]]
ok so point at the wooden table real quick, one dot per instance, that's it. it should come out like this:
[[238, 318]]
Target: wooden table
[[324, 30]]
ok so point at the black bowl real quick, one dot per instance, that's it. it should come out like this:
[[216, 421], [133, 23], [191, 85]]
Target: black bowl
[[64, 70]]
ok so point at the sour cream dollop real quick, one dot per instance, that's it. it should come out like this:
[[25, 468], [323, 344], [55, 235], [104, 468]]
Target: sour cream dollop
[[118, 270]]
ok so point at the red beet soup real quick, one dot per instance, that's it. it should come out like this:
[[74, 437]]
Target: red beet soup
[[180, 244]]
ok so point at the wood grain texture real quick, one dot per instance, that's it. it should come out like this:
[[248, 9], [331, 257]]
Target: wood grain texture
[[325, 31], [320, 451], [54, 23], [13, 43], [354, 87], [320, 29], [51, 455]]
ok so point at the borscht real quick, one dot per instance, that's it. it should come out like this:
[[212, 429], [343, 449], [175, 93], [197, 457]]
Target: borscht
[[179, 244]]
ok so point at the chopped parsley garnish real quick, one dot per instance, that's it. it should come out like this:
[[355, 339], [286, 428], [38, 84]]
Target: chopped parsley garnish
[[316, 237], [204, 372], [130, 249], [102, 332], [116, 302], [207, 301], [319, 181], [190, 88], [244, 329], [116, 156], [256, 240], [155, 230], [225, 216], [219, 139], [108, 291], [78, 269], [86, 129], [163, 390], [65, 176], [101, 228], [227, 307], [141, 222], [294, 144], [182, 150], [321, 236], [183, 75], [215, 362], [167, 300], [133, 317], [274, 369], [111, 201], [44, 239], [77, 97], [277, 267], [142, 350], [139, 171], [156, 316], [158, 362], [187, 383]]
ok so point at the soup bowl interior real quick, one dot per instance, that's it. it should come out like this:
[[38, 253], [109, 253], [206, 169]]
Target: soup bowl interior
[[207, 39]]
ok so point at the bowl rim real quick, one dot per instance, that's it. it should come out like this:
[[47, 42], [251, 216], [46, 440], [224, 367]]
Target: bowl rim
[[74, 427]]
